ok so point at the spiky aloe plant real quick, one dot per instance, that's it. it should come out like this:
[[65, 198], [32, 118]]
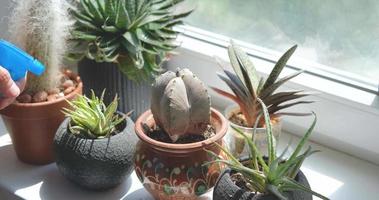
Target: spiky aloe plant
[[247, 86], [41, 28], [180, 103], [91, 118], [135, 34], [273, 175]]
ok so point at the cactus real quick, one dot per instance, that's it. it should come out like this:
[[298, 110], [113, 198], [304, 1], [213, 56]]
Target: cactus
[[41, 28], [180, 103]]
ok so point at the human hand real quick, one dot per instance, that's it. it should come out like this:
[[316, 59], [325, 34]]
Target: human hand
[[9, 89]]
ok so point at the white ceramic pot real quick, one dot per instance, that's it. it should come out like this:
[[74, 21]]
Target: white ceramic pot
[[236, 142]]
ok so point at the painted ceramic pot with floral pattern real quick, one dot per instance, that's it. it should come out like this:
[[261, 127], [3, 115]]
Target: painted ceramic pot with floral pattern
[[177, 171]]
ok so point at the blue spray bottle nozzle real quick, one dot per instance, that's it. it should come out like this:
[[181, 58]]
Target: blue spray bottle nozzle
[[18, 62]]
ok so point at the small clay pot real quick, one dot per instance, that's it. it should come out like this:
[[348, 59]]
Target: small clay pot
[[32, 126], [96, 164], [176, 171], [225, 189]]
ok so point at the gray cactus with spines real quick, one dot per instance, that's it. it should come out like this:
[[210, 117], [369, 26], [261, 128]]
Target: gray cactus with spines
[[180, 103]]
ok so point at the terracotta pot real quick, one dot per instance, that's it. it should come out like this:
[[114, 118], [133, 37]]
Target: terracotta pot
[[96, 164], [32, 127], [176, 171], [236, 143], [225, 189]]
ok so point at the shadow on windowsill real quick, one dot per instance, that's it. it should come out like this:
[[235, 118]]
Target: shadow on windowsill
[[19, 176], [57, 187]]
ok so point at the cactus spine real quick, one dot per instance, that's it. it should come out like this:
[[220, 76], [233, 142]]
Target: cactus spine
[[41, 28], [180, 103]]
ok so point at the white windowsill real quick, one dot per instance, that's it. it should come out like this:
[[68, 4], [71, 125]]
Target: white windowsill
[[332, 173], [347, 116]]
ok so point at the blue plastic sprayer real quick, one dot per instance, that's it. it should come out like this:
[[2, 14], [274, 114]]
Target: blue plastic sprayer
[[17, 61]]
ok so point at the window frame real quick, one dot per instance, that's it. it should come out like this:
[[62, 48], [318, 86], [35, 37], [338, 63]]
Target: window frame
[[353, 103]]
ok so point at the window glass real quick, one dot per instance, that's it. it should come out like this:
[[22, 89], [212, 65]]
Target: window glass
[[343, 34]]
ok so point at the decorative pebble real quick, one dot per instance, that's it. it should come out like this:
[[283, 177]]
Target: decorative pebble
[[24, 98], [68, 72], [68, 83], [68, 90], [40, 96], [62, 78], [52, 97], [53, 91]]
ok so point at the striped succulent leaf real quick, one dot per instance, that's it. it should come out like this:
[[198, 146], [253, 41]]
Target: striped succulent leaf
[[135, 34], [247, 86]]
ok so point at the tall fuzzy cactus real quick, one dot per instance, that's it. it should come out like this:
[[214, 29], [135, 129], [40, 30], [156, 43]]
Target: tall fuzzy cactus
[[40, 27], [180, 103]]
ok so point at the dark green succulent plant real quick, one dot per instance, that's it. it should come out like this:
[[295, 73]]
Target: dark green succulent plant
[[135, 34], [274, 175], [247, 86]]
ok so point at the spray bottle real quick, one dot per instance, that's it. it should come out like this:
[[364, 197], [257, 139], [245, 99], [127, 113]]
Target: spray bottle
[[18, 62]]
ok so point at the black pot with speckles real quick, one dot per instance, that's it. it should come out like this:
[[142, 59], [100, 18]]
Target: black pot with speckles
[[225, 189], [96, 164]]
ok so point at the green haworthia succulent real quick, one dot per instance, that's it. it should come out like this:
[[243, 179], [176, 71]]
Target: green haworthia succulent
[[180, 103], [91, 118], [135, 34]]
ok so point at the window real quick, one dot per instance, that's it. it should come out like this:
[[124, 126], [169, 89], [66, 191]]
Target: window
[[342, 35], [346, 101]]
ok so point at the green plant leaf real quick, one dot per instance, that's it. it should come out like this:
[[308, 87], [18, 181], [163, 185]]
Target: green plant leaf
[[249, 74], [274, 190], [270, 138], [271, 89], [238, 83], [142, 29], [290, 184], [281, 97], [304, 138], [279, 67], [255, 154], [90, 116], [275, 108]]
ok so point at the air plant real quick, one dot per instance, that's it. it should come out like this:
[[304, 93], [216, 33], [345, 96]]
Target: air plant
[[273, 175], [180, 103], [91, 118], [248, 86]]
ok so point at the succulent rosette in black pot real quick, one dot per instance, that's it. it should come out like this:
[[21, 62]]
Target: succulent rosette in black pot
[[95, 145]]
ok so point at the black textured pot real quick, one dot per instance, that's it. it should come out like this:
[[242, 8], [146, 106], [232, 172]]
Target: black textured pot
[[96, 164], [100, 76], [225, 189]]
